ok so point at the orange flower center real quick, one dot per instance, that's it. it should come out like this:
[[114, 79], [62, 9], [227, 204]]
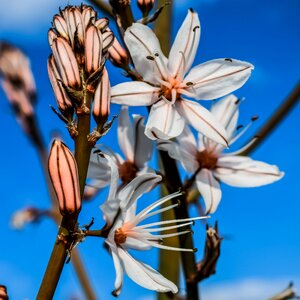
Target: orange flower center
[[128, 171], [120, 236]]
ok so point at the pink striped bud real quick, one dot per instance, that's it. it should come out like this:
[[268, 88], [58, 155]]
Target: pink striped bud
[[101, 108], [66, 63], [64, 176], [63, 101], [117, 54], [75, 24], [88, 15], [93, 49], [51, 36], [61, 26], [102, 24], [145, 6], [108, 39]]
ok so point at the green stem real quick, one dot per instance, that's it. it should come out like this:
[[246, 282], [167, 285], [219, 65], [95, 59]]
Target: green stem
[[281, 112], [69, 222]]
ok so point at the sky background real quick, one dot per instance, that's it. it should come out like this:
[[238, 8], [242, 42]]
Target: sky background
[[260, 253]]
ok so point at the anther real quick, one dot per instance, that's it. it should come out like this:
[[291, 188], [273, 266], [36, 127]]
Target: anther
[[254, 118], [150, 57], [228, 59], [239, 127], [156, 54], [196, 27], [189, 83], [195, 250]]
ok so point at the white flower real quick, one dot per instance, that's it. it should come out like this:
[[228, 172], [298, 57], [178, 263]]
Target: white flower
[[166, 82], [137, 149], [210, 165], [126, 233]]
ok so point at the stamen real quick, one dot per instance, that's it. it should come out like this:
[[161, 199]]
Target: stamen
[[157, 229], [188, 93], [174, 95], [244, 148], [165, 83], [161, 65], [235, 138], [168, 247], [172, 221]]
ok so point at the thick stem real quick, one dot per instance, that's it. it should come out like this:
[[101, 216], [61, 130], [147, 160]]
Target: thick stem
[[276, 118], [69, 222]]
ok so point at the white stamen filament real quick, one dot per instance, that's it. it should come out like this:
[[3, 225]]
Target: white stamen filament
[[150, 237], [172, 221], [167, 247], [165, 228], [241, 150], [235, 138]]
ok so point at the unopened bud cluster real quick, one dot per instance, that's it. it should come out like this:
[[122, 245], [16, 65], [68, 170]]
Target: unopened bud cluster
[[145, 6], [79, 43]]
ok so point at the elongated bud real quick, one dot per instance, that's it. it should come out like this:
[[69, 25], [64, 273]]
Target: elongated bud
[[117, 54], [93, 49], [3, 292], [102, 24], [145, 6], [108, 39], [75, 24], [101, 108], [66, 63], [64, 176], [51, 36], [61, 26], [88, 15], [63, 101]]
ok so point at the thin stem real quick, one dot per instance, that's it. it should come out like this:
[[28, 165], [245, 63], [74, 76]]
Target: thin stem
[[281, 112]]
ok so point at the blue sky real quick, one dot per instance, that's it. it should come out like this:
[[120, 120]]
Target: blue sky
[[260, 253]]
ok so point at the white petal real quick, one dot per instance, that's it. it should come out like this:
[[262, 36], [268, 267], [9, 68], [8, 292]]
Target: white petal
[[226, 112], [187, 141], [164, 121], [119, 271], [209, 189], [111, 206], [218, 77], [133, 191], [245, 172], [143, 146], [99, 167], [135, 93], [126, 134], [184, 48], [177, 152], [133, 243], [144, 275], [202, 120], [142, 43]]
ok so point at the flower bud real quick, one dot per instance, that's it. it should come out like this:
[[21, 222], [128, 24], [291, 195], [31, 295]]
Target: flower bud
[[93, 49], [117, 54], [88, 15], [64, 176], [51, 36], [108, 39], [102, 24], [61, 26], [63, 101], [101, 108], [145, 6], [3, 292], [75, 25], [66, 63]]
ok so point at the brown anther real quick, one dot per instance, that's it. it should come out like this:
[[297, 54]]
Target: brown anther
[[120, 236], [127, 171], [206, 160]]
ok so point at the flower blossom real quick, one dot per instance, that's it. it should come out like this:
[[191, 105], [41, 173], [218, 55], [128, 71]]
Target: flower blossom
[[126, 233], [210, 165], [137, 149], [166, 82]]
